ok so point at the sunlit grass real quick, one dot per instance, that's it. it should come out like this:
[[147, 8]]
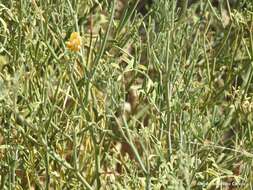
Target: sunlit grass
[[98, 96]]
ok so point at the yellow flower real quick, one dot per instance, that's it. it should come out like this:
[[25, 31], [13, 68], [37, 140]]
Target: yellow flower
[[74, 43]]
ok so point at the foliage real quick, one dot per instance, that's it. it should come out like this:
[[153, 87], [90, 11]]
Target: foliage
[[160, 99]]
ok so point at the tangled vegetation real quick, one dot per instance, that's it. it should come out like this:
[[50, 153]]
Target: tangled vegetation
[[117, 94]]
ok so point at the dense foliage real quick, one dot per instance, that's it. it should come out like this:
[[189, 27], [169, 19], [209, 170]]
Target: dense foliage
[[124, 94]]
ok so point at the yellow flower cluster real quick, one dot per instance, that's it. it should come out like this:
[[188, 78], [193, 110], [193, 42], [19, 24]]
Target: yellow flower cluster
[[74, 42]]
